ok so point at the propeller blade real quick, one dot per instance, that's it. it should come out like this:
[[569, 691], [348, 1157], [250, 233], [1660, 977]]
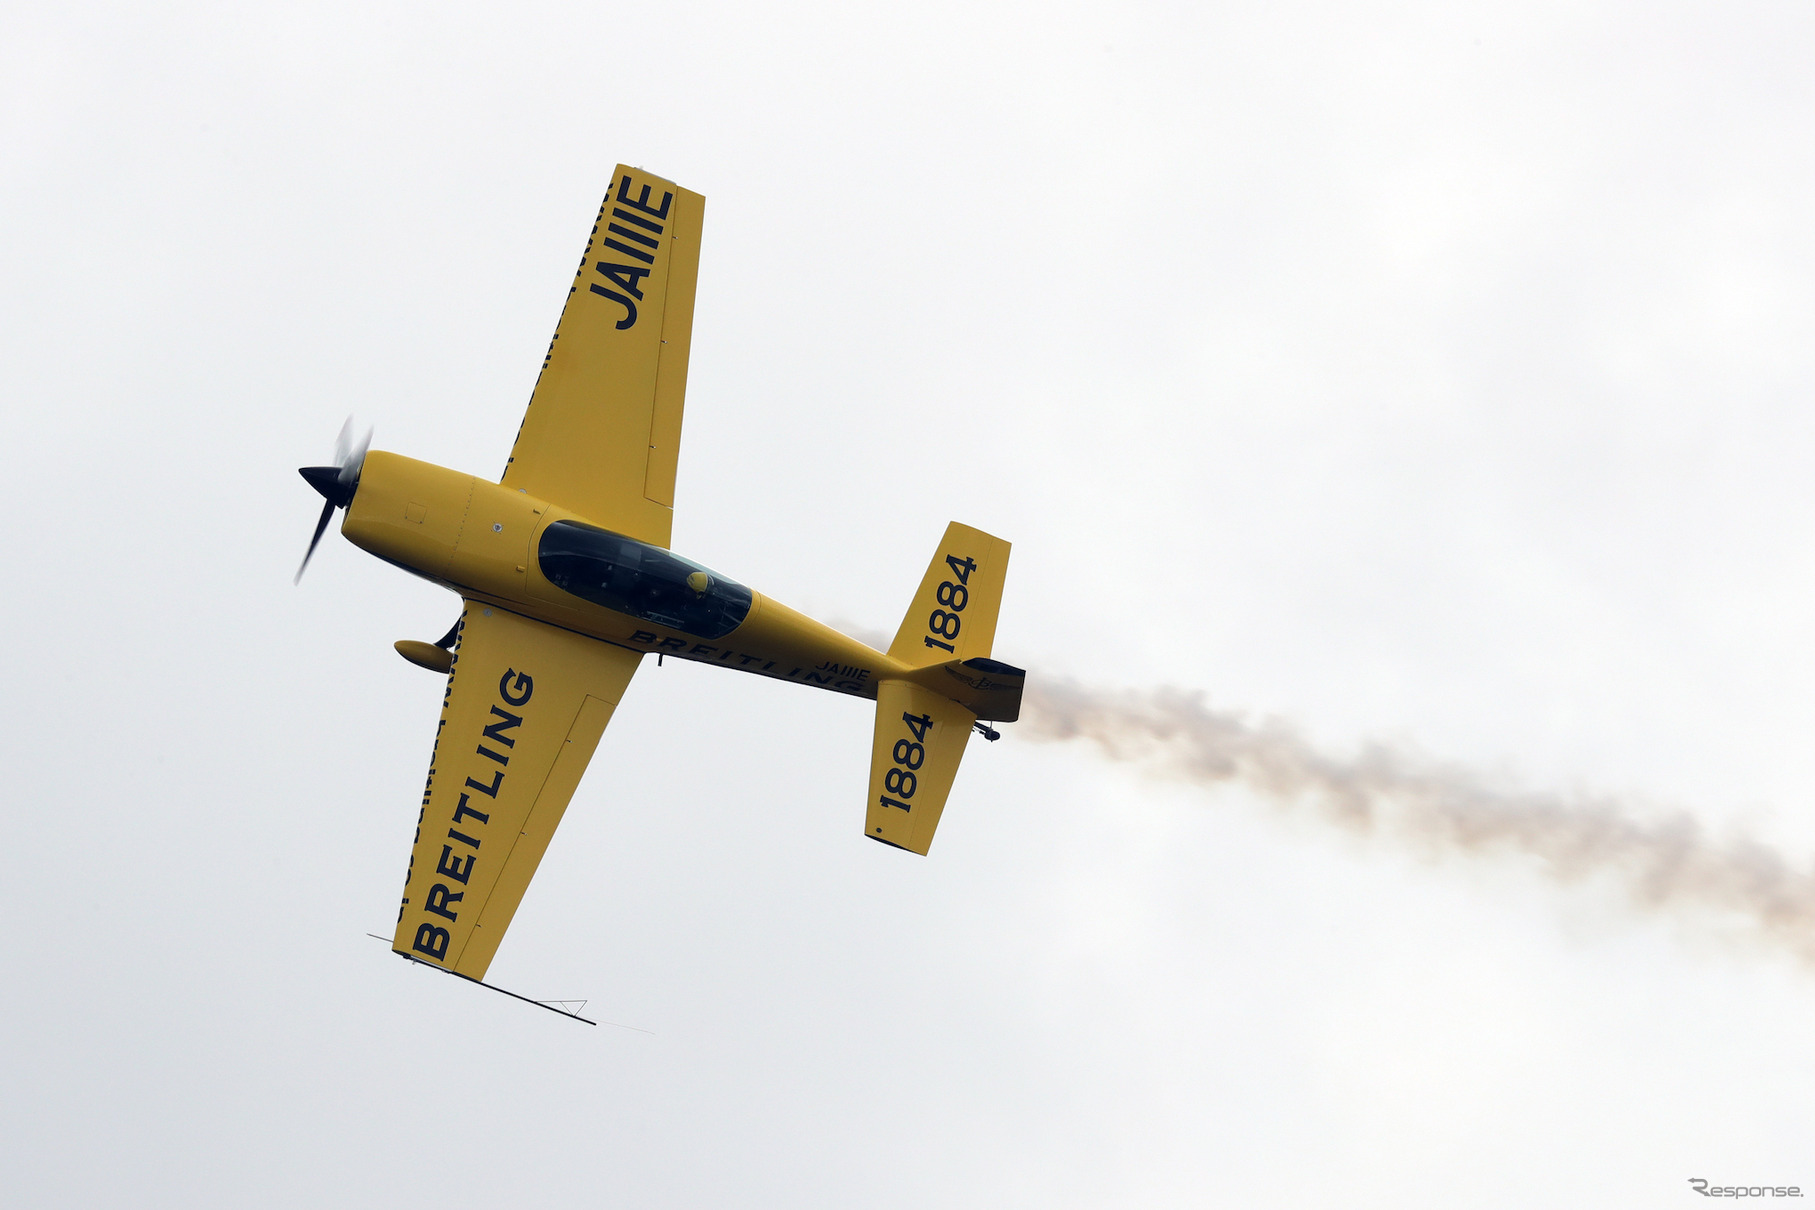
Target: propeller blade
[[321, 527], [336, 483], [353, 458], [350, 452], [343, 444]]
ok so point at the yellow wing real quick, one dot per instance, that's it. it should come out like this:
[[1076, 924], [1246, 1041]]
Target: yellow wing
[[525, 706], [602, 435]]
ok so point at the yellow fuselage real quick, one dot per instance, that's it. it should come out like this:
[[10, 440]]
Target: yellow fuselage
[[481, 540]]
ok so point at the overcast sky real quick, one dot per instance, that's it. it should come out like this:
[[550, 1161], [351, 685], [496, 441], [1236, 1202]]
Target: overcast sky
[[1429, 375]]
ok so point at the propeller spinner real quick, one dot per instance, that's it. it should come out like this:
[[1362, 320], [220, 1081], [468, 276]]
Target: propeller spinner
[[336, 483]]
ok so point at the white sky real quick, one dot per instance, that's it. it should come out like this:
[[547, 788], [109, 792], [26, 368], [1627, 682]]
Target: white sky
[[1436, 374]]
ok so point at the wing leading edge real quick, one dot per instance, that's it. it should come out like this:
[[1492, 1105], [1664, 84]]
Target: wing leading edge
[[602, 435], [524, 708]]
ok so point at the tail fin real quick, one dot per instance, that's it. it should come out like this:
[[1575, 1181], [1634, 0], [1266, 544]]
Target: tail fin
[[920, 738], [953, 616], [987, 688], [924, 719]]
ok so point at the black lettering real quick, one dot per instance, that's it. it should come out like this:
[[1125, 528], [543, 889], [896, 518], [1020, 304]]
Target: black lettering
[[641, 222], [672, 644], [744, 661], [634, 253], [450, 865], [643, 203], [628, 276], [525, 687], [630, 311], [440, 895], [462, 837], [496, 730], [431, 941], [643, 636], [813, 678], [702, 649], [638, 236], [490, 791], [462, 811], [497, 756]]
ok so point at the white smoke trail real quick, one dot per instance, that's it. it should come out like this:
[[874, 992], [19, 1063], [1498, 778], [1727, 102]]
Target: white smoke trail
[[1663, 862]]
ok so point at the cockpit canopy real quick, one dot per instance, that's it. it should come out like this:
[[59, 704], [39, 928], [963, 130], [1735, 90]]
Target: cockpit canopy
[[641, 580]]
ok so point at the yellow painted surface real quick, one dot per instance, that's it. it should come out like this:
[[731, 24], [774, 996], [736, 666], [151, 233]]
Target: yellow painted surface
[[602, 433], [671, 366], [425, 655], [409, 512], [919, 740], [518, 723], [539, 828], [537, 671], [954, 612]]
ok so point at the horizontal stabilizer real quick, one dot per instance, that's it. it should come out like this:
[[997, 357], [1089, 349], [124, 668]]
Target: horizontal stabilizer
[[953, 616], [920, 738]]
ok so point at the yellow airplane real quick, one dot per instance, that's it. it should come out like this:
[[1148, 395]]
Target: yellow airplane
[[567, 583]]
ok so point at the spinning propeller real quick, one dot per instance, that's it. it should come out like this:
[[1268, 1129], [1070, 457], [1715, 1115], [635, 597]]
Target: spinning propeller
[[336, 483]]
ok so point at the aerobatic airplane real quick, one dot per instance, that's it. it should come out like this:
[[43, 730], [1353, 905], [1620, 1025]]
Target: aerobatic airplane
[[567, 582]]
